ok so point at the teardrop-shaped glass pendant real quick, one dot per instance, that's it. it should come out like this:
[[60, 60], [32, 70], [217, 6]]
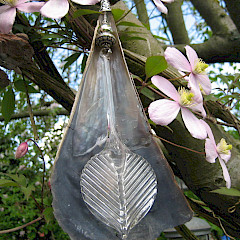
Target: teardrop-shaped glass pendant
[[109, 179]]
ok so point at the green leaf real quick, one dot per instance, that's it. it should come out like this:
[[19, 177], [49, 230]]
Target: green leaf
[[127, 38], [128, 24], [227, 191], [48, 214], [155, 65], [148, 93], [117, 14], [84, 61], [70, 60], [82, 12], [49, 36], [20, 179], [7, 183], [8, 105], [27, 191], [20, 86]]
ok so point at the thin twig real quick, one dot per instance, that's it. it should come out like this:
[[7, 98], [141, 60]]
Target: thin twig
[[44, 170], [176, 145], [20, 227], [30, 111]]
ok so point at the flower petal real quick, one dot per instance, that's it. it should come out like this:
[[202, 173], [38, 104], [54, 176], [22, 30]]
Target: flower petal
[[225, 157], [7, 17], [166, 87], [168, 1], [209, 132], [192, 56], [199, 108], [193, 124], [205, 83], [193, 84], [175, 58], [55, 8], [161, 6], [210, 150], [30, 7], [163, 111], [225, 173], [86, 2]]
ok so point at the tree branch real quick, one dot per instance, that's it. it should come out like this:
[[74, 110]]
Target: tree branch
[[176, 23], [233, 7], [142, 12], [215, 16], [38, 113]]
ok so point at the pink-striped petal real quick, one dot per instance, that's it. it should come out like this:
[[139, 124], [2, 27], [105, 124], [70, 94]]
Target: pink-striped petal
[[210, 150], [195, 88], [225, 173], [168, 1], [225, 157], [198, 107], [161, 7], [205, 83], [7, 17], [166, 87], [193, 124], [192, 56], [209, 132], [163, 111], [55, 8], [175, 58], [30, 7], [86, 2]]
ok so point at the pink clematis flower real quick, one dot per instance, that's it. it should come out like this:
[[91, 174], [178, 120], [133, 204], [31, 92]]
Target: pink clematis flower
[[164, 111], [220, 151], [8, 11], [21, 150], [59, 8], [198, 80], [161, 7]]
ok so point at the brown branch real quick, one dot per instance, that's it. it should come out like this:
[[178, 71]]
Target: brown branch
[[20, 227], [38, 113], [185, 232], [142, 12], [176, 23], [215, 16], [233, 7]]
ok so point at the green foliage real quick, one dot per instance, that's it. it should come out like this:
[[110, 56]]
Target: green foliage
[[117, 14], [155, 65], [70, 60], [8, 104], [128, 24], [225, 191], [81, 12], [20, 86]]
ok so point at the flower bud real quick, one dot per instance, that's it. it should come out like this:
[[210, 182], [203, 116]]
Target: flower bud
[[21, 150]]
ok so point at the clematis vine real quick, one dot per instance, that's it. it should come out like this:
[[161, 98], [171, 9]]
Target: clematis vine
[[59, 8], [161, 7], [198, 80], [9, 9], [222, 151], [164, 111]]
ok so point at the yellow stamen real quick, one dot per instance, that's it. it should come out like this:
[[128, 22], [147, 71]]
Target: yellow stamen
[[186, 97], [9, 2], [200, 67], [223, 147]]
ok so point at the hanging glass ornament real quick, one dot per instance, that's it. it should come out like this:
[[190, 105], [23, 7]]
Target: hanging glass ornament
[[109, 180]]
